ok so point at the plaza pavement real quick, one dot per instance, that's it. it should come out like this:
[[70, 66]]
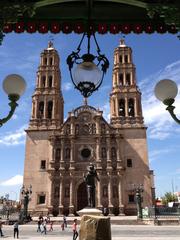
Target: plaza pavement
[[119, 232]]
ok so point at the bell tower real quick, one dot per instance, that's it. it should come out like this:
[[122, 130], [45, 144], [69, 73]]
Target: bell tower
[[47, 100], [125, 97]]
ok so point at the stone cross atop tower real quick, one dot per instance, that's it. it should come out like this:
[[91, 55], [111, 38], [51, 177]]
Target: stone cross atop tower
[[125, 97], [47, 100]]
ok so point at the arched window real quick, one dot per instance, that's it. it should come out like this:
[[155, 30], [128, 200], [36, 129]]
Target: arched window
[[131, 107], [113, 152], [120, 58], [67, 153], [126, 58], [50, 81], [57, 154], [121, 79], [121, 107], [105, 191], [128, 80], [50, 107], [103, 152], [43, 79], [50, 61], [41, 109]]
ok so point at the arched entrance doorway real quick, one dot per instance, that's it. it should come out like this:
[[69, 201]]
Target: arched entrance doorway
[[82, 201]]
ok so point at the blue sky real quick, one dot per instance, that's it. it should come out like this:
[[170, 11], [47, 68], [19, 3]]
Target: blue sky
[[155, 56]]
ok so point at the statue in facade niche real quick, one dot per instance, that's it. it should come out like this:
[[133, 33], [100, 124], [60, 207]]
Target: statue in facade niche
[[90, 184]]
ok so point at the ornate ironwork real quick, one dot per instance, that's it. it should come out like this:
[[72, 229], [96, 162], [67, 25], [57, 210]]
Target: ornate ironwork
[[170, 108], [87, 88], [13, 104]]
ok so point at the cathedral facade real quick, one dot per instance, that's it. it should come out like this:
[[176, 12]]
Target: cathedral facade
[[58, 152]]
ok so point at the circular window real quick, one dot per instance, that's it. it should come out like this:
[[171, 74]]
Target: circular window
[[85, 153]]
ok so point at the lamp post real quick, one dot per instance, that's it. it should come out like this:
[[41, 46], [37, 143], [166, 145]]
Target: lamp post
[[166, 90], [14, 85], [26, 198], [138, 188]]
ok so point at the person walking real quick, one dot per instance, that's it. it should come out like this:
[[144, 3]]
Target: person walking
[[44, 227], [62, 226], [39, 226], [65, 221], [16, 229], [74, 227], [1, 229], [51, 226]]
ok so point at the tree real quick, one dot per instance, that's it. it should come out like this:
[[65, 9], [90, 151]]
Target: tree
[[169, 197]]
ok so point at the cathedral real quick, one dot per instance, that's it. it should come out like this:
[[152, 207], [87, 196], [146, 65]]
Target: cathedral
[[59, 151]]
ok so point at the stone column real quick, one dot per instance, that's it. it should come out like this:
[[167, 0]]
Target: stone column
[[121, 206], [110, 195], [99, 205], [54, 109], [98, 127], [108, 153], [124, 78], [50, 195], [114, 80], [62, 154], [72, 128], [117, 79], [131, 78], [71, 197], [117, 107], [45, 108], [33, 109], [36, 108], [98, 159], [135, 107], [61, 189], [126, 107], [119, 157], [113, 107], [72, 155]]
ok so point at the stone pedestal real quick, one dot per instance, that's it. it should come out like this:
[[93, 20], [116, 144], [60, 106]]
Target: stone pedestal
[[95, 228], [89, 211]]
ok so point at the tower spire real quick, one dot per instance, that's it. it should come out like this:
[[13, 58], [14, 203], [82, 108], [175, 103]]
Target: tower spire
[[125, 97], [47, 100]]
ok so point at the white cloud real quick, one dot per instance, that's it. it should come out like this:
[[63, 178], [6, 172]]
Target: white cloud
[[13, 138], [158, 120], [155, 154], [67, 86], [16, 180]]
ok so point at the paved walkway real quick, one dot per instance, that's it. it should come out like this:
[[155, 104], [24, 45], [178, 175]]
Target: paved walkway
[[122, 232]]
